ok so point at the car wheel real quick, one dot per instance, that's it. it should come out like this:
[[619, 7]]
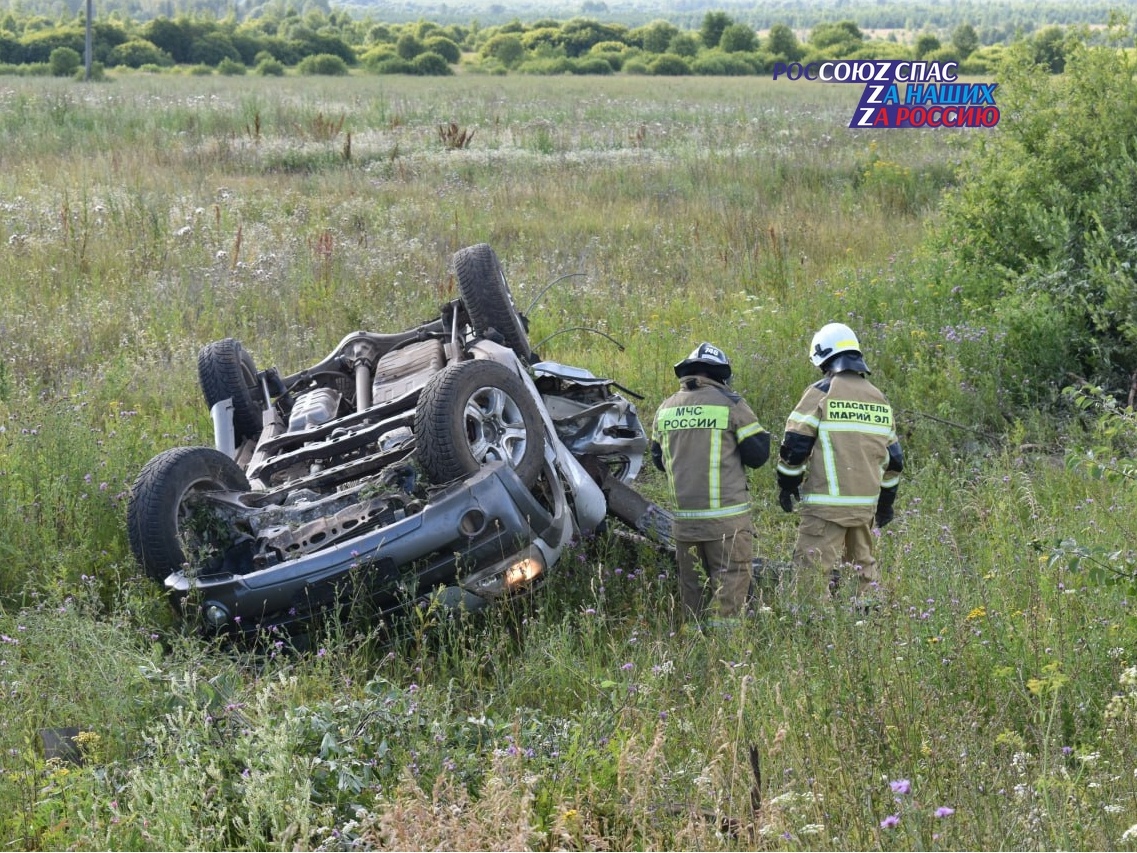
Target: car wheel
[[474, 412], [164, 520], [485, 293], [227, 371]]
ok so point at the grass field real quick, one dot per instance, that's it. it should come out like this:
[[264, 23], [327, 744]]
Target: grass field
[[990, 704]]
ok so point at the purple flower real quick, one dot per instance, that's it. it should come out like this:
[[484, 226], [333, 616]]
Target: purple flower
[[890, 822], [945, 811], [900, 786], [628, 666]]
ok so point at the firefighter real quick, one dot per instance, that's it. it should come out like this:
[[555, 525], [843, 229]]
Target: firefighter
[[841, 459], [704, 437]]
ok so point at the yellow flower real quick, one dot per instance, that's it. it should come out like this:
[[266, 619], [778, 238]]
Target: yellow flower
[[977, 613]]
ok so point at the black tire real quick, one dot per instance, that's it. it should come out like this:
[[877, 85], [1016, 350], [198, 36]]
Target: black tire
[[474, 412], [485, 293], [157, 513], [227, 371]]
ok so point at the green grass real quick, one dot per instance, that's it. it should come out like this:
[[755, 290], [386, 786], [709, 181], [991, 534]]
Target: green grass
[[144, 217]]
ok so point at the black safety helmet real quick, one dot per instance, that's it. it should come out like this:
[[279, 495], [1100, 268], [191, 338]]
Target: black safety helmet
[[705, 359]]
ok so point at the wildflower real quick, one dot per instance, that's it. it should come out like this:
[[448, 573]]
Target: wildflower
[[890, 822], [1130, 833], [944, 811], [900, 786], [629, 665]]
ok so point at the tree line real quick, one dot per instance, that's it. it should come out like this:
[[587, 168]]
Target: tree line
[[334, 42]]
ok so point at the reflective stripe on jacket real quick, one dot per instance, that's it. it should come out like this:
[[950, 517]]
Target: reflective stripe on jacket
[[842, 438], [698, 432]]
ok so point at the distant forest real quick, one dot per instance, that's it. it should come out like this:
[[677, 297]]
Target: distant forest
[[998, 21], [312, 39]]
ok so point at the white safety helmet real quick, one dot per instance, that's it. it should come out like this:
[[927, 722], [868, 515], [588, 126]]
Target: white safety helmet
[[705, 358], [834, 339]]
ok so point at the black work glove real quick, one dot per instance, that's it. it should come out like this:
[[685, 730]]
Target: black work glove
[[884, 511], [786, 497], [788, 490]]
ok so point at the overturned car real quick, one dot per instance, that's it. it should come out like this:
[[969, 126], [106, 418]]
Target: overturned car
[[446, 459]]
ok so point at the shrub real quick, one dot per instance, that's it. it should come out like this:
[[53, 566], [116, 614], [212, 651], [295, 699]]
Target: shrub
[[98, 72], [445, 48], [943, 54], [431, 65], [684, 44], [669, 65], [547, 66], [64, 62], [985, 60], [323, 63], [1049, 209], [608, 47], [715, 63], [269, 67], [138, 52], [408, 46], [738, 38], [506, 48], [592, 65], [925, 44], [211, 48], [231, 67], [615, 60], [394, 65], [373, 56], [636, 66]]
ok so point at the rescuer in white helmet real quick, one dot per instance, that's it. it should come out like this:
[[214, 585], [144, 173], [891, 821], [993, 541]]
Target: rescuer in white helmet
[[704, 437], [841, 459]]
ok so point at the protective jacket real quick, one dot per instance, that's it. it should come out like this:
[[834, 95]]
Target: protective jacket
[[841, 448], [704, 437]]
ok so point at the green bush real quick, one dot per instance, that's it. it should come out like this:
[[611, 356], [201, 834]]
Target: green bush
[[98, 72], [715, 63], [738, 38], [684, 44], [984, 61], [408, 46], [943, 54], [506, 48], [592, 65], [138, 52], [373, 56], [323, 63], [1050, 207], [431, 65], [670, 65], [547, 66], [64, 62], [445, 48], [394, 65], [231, 67], [269, 67]]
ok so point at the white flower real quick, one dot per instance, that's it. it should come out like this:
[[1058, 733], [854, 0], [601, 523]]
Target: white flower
[[1130, 833]]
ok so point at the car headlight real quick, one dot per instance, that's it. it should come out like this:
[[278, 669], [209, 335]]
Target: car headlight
[[523, 571]]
